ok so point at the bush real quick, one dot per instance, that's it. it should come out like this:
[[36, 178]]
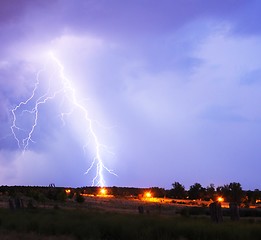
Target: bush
[[79, 198]]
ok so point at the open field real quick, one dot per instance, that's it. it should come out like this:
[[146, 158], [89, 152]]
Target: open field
[[109, 218], [86, 224]]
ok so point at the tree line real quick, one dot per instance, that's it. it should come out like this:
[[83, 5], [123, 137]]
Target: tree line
[[231, 192]]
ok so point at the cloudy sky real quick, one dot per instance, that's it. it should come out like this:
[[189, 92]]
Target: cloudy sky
[[172, 89]]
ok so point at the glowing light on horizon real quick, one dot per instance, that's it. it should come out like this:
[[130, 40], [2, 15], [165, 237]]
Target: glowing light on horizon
[[148, 194], [220, 199], [67, 191], [32, 107], [103, 191]]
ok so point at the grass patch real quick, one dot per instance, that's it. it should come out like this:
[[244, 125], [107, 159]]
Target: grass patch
[[85, 224]]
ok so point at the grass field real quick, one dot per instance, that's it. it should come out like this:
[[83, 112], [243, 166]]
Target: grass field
[[70, 224]]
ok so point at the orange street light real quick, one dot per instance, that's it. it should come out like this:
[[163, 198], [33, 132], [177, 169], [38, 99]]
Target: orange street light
[[67, 191], [148, 194], [103, 191], [220, 199]]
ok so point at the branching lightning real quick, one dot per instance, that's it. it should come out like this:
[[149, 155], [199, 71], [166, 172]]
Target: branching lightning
[[32, 106]]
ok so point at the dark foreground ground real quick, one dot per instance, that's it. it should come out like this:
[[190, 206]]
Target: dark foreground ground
[[101, 218]]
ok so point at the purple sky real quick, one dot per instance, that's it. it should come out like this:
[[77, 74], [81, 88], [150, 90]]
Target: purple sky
[[172, 86]]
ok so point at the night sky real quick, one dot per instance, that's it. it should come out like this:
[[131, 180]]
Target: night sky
[[172, 87]]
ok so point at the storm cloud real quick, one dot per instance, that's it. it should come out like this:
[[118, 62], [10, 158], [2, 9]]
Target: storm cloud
[[174, 87]]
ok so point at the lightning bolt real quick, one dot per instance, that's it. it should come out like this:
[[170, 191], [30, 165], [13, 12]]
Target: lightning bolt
[[32, 106]]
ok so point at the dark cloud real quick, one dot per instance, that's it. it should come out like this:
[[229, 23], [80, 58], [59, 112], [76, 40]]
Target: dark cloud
[[247, 21], [12, 11], [123, 20]]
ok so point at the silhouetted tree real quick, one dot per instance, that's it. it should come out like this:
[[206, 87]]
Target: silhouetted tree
[[256, 195], [196, 191], [224, 191], [252, 196], [178, 191], [210, 192], [231, 192], [236, 192]]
